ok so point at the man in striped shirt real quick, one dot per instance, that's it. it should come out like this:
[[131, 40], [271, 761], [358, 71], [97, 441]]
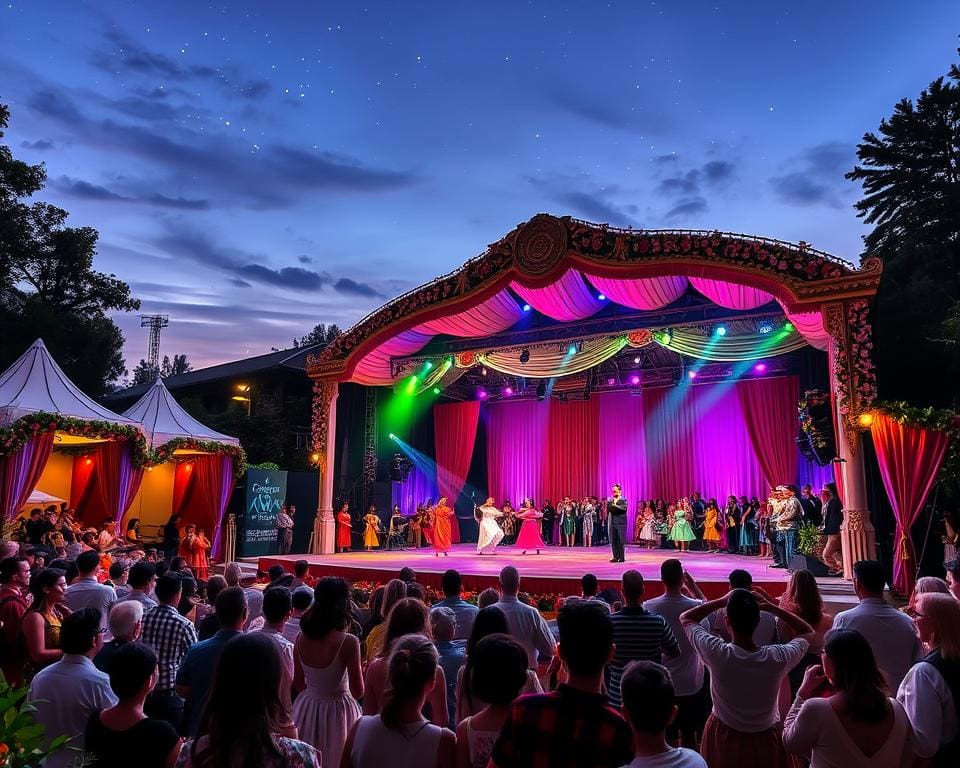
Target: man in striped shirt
[[638, 635]]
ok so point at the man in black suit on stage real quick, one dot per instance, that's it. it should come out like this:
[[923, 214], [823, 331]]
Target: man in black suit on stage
[[617, 523]]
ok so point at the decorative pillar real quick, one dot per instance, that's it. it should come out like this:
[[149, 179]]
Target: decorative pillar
[[323, 436], [230, 543]]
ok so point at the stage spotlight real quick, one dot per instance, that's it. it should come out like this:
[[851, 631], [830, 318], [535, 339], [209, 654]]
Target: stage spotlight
[[601, 297], [482, 393], [764, 328], [524, 356], [634, 379], [428, 365], [483, 371], [611, 382], [691, 374], [721, 330], [636, 360], [393, 436], [542, 389], [572, 349], [760, 367], [508, 391], [526, 307], [664, 337], [436, 390], [788, 327]]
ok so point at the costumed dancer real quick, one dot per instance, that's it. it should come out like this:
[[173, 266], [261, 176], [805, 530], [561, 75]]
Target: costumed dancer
[[529, 537], [396, 533], [508, 521], [638, 522], [682, 533], [193, 549], [567, 511], [603, 523], [763, 529], [661, 522], [648, 536], [711, 527], [415, 528], [490, 534], [442, 527], [372, 521], [748, 527], [427, 522], [733, 514], [588, 514], [344, 528], [617, 523]]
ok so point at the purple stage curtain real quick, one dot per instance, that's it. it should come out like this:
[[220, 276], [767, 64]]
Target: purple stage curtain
[[573, 449], [909, 459], [497, 313], [623, 450], [454, 435], [116, 478], [567, 299], [812, 474], [770, 413], [417, 488], [641, 293], [374, 369], [517, 434], [20, 472], [212, 485], [731, 295]]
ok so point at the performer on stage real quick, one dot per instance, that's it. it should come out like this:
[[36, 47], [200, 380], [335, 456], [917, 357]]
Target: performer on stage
[[711, 527], [748, 527], [546, 525], [490, 533], [733, 514], [442, 527], [568, 521], [529, 537], [344, 528], [426, 522], [193, 550], [648, 536], [508, 521], [661, 522], [372, 521], [396, 534], [682, 532], [588, 513], [617, 523]]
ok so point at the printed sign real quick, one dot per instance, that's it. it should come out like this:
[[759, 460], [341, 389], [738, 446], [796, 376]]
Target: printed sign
[[266, 491]]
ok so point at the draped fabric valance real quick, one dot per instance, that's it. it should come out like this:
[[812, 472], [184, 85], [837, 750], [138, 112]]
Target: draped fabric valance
[[730, 349], [547, 362]]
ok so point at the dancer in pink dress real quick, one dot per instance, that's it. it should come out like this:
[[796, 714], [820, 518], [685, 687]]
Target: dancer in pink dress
[[529, 537]]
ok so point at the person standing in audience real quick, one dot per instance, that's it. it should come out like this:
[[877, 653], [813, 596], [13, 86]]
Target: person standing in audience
[[119, 573], [41, 623], [326, 671], [857, 725], [86, 591], [573, 725], [890, 632], [123, 734], [394, 592], [300, 601], [209, 624], [14, 588], [242, 723], [443, 626], [126, 623], [399, 736], [236, 577], [743, 730], [803, 599], [637, 635], [141, 578], [649, 708], [277, 606], [526, 624], [500, 667], [767, 631], [930, 691], [832, 519], [452, 585], [66, 693]]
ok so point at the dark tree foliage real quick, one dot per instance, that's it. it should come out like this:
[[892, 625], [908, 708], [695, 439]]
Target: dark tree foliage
[[321, 334], [910, 171]]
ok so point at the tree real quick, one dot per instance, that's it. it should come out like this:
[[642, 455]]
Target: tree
[[48, 287], [144, 373], [910, 171], [175, 368], [321, 334]]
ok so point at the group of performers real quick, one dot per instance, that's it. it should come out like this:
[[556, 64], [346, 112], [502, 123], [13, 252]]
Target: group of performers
[[432, 522]]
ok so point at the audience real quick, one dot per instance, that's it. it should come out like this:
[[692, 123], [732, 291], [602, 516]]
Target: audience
[[803, 599], [487, 597], [123, 734], [300, 570], [236, 577], [590, 589], [890, 632], [924, 585], [14, 591], [767, 628], [277, 606], [300, 600], [67, 692], [119, 574], [209, 625], [142, 579], [400, 736], [86, 591], [395, 591], [649, 707], [443, 625], [41, 624], [465, 613], [125, 623], [526, 624], [953, 577]]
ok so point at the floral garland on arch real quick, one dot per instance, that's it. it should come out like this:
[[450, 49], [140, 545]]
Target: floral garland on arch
[[854, 373], [165, 452], [23, 429], [812, 398]]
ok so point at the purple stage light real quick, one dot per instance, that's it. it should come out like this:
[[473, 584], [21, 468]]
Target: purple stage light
[[634, 379], [760, 367], [692, 374], [482, 394], [508, 391], [611, 382]]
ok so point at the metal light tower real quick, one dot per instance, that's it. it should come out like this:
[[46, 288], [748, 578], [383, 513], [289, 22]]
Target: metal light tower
[[155, 323]]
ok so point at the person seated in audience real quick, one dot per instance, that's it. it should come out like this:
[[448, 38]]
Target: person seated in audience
[[86, 591], [443, 625], [208, 625], [590, 589], [400, 735], [300, 601], [953, 577], [499, 675], [300, 570], [930, 691], [373, 645], [487, 597], [526, 624], [924, 585], [649, 707], [125, 623], [842, 716], [122, 735], [142, 579], [452, 585], [242, 723], [119, 573], [573, 725]]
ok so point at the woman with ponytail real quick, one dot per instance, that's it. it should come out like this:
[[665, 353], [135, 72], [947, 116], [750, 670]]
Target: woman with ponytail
[[400, 736]]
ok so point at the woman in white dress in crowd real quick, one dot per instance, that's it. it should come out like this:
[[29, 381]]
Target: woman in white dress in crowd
[[490, 532], [326, 671]]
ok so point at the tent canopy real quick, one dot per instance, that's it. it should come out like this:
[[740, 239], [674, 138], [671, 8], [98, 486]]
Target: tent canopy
[[164, 419], [35, 383]]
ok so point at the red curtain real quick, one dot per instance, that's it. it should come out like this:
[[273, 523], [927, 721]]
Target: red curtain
[[182, 485], [454, 435], [909, 459], [20, 472], [573, 450], [117, 480], [84, 495], [769, 409]]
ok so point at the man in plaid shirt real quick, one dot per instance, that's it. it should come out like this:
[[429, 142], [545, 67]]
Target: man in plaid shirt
[[170, 635], [573, 725]]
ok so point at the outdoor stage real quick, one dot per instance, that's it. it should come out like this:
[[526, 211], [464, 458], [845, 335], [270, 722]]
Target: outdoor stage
[[555, 570]]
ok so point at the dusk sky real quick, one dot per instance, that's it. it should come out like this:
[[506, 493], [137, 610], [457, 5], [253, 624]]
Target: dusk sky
[[255, 168]]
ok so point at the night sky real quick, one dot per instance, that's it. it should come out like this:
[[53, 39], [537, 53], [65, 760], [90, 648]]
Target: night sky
[[255, 168]]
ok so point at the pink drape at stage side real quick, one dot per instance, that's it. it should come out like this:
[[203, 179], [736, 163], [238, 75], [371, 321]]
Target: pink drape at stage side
[[641, 293], [770, 414], [454, 435], [731, 295], [210, 489], [573, 450], [909, 458], [696, 441], [116, 478], [622, 450], [495, 314], [810, 326], [566, 299], [20, 472], [517, 434]]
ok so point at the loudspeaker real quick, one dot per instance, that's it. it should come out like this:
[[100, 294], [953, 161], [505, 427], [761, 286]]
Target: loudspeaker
[[381, 496], [812, 564]]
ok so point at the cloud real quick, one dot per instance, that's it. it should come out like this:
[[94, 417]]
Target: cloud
[[591, 109], [39, 144], [296, 278], [717, 171], [305, 259], [85, 190], [236, 281], [687, 207], [352, 288], [687, 184], [595, 208], [124, 55], [802, 188], [815, 176], [142, 108], [581, 196], [673, 157], [254, 89]]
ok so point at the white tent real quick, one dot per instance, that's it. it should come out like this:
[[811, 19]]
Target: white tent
[[164, 419], [40, 499], [36, 383]]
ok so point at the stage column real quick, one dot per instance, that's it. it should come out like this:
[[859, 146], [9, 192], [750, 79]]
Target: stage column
[[324, 434], [858, 539]]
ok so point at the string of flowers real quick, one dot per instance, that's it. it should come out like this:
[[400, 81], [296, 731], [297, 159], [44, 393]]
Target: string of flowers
[[165, 452], [940, 420], [812, 398]]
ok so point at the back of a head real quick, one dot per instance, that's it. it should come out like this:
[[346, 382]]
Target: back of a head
[[743, 612], [953, 568], [869, 575], [87, 562], [231, 607], [232, 574], [408, 617], [416, 590], [131, 668], [510, 580], [632, 584], [300, 568], [330, 610], [488, 621], [411, 667], [123, 619], [803, 597], [275, 572], [141, 572], [443, 622], [79, 631], [671, 573], [169, 586], [586, 636], [117, 570], [589, 585], [855, 672], [277, 604], [740, 579], [215, 585], [451, 583], [395, 590], [487, 598], [646, 689], [301, 599], [498, 669], [943, 611], [408, 574]]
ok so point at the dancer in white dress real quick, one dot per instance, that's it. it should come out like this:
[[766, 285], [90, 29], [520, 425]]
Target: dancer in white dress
[[490, 533]]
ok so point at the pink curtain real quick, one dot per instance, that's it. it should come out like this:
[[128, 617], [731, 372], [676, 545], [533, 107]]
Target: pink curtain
[[454, 435], [495, 314], [212, 486], [770, 413], [642, 293], [909, 459], [517, 434], [573, 450], [622, 450], [417, 488], [20, 472], [567, 299], [116, 478], [731, 295]]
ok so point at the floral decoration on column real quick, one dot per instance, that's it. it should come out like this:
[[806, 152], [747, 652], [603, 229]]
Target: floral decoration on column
[[854, 374], [323, 392]]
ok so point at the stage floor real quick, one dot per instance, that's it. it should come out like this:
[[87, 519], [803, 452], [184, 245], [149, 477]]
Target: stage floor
[[556, 569]]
